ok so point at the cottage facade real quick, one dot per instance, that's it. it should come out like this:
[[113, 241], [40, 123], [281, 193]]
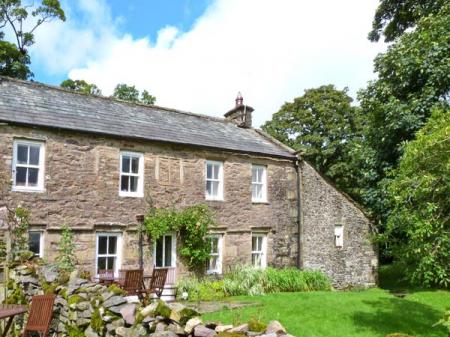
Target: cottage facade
[[97, 164]]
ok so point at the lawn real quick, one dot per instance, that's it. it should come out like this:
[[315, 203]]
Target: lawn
[[368, 313]]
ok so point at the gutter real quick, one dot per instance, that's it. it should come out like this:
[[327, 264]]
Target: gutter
[[299, 211]]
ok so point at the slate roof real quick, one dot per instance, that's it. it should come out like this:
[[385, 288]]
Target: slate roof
[[35, 104]]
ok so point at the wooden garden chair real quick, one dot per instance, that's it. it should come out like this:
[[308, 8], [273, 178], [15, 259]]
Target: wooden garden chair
[[133, 282], [157, 282], [41, 314]]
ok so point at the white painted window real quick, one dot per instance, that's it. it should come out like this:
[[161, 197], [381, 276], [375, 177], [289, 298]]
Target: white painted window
[[214, 180], [259, 250], [28, 166], [164, 251], [131, 174], [259, 183], [339, 235], [214, 264], [108, 252], [36, 242]]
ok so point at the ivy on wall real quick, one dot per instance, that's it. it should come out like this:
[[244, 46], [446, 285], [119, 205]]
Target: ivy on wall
[[191, 225]]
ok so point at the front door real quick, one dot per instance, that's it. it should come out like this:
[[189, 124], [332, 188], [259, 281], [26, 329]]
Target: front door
[[165, 251]]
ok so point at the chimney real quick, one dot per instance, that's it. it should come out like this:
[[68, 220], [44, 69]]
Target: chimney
[[241, 114]]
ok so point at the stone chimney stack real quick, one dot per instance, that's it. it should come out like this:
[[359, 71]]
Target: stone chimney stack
[[241, 114]]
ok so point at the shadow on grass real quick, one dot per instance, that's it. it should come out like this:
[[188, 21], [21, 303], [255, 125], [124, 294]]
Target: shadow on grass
[[391, 315]]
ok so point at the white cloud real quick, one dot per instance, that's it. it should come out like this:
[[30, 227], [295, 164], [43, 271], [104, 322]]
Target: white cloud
[[270, 50]]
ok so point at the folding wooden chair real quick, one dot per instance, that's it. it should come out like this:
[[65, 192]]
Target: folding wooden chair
[[157, 282], [41, 314], [133, 282]]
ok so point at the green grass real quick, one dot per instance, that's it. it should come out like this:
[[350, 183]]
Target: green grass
[[367, 313]]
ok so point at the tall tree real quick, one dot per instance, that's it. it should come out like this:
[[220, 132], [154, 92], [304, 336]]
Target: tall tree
[[81, 86], [14, 57], [394, 17], [418, 227], [131, 94], [323, 125]]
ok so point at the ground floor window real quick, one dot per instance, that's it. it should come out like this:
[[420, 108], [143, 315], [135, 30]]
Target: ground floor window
[[214, 264], [165, 251], [339, 235], [36, 242], [108, 253], [259, 250]]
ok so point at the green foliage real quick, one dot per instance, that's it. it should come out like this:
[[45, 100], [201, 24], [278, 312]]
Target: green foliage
[[75, 299], [256, 325], [445, 320], [322, 124], [418, 225], [81, 86], [19, 224], [66, 258], [394, 17], [131, 94], [116, 290], [14, 58], [398, 334], [74, 331], [291, 279], [97, 322], [191, 223]]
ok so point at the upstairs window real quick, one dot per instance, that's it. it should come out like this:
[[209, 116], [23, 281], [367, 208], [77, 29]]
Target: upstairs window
[[214, 264], [131, 174], [339, 236], [28, 166], [259, 183], [214, 180], [36, 243], [259, 250]]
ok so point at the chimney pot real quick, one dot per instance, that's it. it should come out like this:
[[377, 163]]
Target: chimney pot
[[241, 114]]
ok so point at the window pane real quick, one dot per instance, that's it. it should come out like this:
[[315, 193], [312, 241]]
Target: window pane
[[111, 263], [209, 188], [34, 155], [254, 174], [34, 242], [22, 154], [168, 251], [216, 171], [215, 188], [133, 184], [102, 243], [112, 248], [135, 164], [260, 240], [212, 263], [159, 253], [125, 164], [33, 176], [101, 263], [214, 245], [256, 259], [254, 243], [124, 181], [209, 168], [21, 176]]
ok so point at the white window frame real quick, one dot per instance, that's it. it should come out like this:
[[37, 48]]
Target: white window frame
[[262, 183], [219, 238], [41, 166], [41, 241], [173, 252], [339, 235], [262, 252], [219, 195], [118, 254], [140, 175]]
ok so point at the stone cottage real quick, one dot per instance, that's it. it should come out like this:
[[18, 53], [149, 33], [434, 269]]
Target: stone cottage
[[96, 163]]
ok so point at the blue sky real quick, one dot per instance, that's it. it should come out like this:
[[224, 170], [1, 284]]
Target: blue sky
[[195, 55]]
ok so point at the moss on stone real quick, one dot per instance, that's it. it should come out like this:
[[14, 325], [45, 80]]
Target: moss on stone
[[17, 296], [256, 325], [97, 322], [116, 290], [162, 309], [63, 293], [75, 299], [74, 331], [231, 334], [49, 288]]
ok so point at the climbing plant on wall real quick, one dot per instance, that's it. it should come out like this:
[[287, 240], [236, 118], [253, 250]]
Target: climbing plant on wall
[[191, 225]]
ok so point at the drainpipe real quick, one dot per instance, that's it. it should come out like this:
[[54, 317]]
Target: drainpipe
[[140, 220], [299, 210]]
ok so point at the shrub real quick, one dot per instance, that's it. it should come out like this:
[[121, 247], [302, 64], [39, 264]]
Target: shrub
[[66, 258], [256, 325]]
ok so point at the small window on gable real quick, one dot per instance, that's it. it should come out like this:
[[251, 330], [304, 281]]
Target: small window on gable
[[214, 264], [339, 235], [36, 243], [214, 180], [259, 183], [131, 174], [28, 166], [259, 250]]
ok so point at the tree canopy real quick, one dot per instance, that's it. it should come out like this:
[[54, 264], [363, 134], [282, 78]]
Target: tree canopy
[[131, 94], [14, 57], [81, 86], [322, 124], [394, 17]]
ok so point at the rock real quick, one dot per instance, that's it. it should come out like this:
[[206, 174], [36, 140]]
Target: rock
[[107, 294], [85, 313], [275, 327], [82, 306], [181, 313], [128, 313], [122, 331], [148, 319], [116, 309], [149, 309], [89, 332], [114, 301], [240, 328], [160, 326], [73, 276], [28, 279], [132, 299], [138, 331], [176, 328], [115, 324], [50, 273], [83, 321], [191, 324], [203, 331], [272, 334], [222, 328], [163, 334], [61, 302]]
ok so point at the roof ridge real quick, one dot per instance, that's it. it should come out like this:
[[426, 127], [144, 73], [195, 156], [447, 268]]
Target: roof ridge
[[114, 99]]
